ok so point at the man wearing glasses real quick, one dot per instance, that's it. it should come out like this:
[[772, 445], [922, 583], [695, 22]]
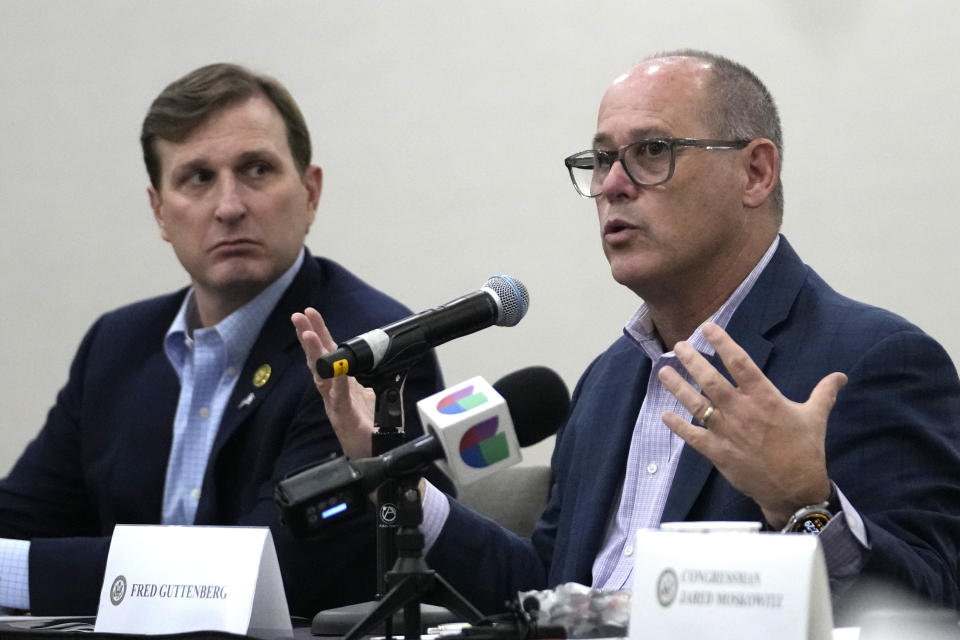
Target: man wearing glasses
[[744, 388]]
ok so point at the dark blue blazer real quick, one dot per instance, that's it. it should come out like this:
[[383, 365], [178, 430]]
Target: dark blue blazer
[[891, 445], [101, 457]]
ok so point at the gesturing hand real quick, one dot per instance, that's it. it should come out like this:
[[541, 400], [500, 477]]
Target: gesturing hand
[[767, 446], [349, 405]]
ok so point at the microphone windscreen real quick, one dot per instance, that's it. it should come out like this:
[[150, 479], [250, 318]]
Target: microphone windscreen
[[538, 400], [512, 299]]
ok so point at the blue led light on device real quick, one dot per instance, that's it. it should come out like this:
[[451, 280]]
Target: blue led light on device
[[332, 511]]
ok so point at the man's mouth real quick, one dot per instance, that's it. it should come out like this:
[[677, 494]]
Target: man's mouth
[[617, 227], [236, 244]]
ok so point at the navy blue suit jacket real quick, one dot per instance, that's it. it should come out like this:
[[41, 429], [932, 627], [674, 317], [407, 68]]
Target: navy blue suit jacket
[[891, 446], [101, 457]]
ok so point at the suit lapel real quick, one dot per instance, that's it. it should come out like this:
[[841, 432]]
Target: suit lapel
[[276, 349], [767, 305], [147, 441], [604, 462]]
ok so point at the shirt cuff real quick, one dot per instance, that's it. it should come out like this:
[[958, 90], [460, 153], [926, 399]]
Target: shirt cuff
[[845, 546], [14, 574], [436, 509], [852, 519]]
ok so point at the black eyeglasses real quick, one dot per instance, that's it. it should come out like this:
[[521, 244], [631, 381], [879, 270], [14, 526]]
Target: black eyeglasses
[[646, 162]]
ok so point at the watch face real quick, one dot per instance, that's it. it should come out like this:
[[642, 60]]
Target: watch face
[[813, 522]]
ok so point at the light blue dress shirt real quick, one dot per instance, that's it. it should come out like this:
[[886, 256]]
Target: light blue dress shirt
[[207, 362]]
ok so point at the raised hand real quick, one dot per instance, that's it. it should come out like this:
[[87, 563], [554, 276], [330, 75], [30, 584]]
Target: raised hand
[[767, 446], [349, 405]]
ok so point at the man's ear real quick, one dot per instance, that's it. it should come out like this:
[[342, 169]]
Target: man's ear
[[157, 205], [762, 170], [313, 181]]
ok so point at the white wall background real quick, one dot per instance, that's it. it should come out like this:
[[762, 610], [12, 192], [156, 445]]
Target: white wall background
[[442, 126]]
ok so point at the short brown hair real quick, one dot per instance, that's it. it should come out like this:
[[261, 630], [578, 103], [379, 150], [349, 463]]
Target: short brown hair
[[186, 103]]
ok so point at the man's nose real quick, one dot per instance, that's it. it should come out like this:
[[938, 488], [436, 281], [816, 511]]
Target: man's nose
[[230, 205], [617, 184]]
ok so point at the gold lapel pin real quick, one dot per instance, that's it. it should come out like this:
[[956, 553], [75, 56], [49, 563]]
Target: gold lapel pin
[[261, 375]]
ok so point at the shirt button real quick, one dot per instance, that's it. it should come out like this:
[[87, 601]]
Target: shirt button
[[652, 467], [204, 412], [195, 494], [231, 372], [628, 550]]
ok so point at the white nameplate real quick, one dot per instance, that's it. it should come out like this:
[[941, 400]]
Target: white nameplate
[[167, 579], [729, 585]]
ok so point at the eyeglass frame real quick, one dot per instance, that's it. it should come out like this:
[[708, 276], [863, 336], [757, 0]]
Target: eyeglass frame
[[671, 143]]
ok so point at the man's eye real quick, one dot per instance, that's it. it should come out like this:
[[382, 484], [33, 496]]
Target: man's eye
[[258, 169], [605, 159], [653, 149], [198, 177]]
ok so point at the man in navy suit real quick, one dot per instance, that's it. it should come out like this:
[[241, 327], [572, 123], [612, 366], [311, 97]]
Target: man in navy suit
[[744, 388], [190, 407]]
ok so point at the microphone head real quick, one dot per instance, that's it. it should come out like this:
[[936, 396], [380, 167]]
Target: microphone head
[[539, 402], [512, 299]]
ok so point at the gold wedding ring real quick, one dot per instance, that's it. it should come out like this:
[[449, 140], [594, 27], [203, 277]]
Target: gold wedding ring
[[706, 415]]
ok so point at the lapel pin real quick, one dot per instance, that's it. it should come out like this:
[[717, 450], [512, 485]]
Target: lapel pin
[[246, 402], [261, 376]]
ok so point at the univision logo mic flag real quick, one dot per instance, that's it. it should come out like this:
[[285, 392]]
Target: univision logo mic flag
[[472, 422]]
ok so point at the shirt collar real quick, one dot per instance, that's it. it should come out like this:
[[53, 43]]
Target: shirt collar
[[640, 329], [238, 331]]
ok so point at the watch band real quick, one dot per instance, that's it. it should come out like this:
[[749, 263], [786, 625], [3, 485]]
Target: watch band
[[814, 517]]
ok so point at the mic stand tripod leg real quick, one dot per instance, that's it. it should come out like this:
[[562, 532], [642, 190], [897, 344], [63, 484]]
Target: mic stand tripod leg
[[411, 581]]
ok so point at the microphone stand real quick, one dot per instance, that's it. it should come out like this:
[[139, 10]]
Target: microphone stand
[[388, 434], [411, 580]]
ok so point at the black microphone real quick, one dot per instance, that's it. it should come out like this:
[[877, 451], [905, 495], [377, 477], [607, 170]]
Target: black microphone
[[314, 500], [538, 400], [502, 301]]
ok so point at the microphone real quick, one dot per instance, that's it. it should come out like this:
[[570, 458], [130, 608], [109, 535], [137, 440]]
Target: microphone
[[474, 422], [468, 425], [502, 301], [539, 402]]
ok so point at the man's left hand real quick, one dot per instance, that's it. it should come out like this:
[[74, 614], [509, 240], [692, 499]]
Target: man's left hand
[[767, 446]]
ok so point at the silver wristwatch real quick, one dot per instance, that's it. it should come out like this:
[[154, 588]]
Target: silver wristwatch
[[814, 517]]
